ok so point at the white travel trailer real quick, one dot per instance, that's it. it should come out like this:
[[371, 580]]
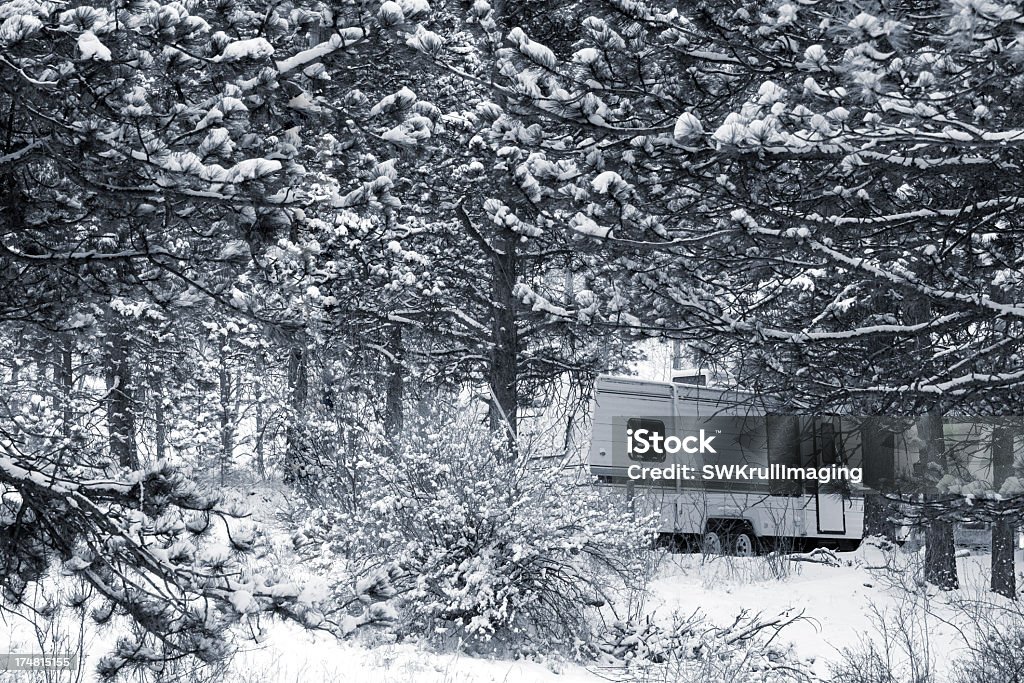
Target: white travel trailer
[[724, 513]]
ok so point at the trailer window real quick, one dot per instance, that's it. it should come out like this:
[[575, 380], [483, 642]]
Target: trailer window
[[653, 428]]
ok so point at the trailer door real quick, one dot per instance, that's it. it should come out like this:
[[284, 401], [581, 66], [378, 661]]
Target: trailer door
[[831, 513]]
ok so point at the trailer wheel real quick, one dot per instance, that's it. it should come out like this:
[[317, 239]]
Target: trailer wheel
[[742, 545], [712, 544]]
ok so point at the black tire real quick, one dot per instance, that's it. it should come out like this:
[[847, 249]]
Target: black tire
[[665, 540], [673, 543]]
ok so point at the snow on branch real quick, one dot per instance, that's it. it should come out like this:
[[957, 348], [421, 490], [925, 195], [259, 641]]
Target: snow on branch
[[341, 40]]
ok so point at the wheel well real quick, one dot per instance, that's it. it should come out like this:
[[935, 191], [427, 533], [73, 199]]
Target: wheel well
[[729, 525]]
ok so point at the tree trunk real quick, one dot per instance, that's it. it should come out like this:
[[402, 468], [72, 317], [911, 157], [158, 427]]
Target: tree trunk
[[227, 429], [393, 415], [877, 513], [940, 556], [120, 400], [940, 552], [879, 462], [503, 375], [160, 415], [1004, 579], [298, 388], [64, 372], [261, 426]]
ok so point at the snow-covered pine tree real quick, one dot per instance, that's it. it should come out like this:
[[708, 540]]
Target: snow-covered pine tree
[[373, 263], [487, 209]]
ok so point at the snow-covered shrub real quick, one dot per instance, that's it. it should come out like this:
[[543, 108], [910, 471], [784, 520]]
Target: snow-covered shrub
[[899, 649], [480, 545], [168, 564], [691, 650], [997, 653], [868, 664], [311, 441]]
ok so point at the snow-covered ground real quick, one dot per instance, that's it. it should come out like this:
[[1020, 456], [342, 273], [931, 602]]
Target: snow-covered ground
[[291, 655], [840, 607]]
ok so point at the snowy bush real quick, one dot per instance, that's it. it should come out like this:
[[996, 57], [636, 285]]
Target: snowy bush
[[997, 650], [691, 650], [898, 650], [480, 545]]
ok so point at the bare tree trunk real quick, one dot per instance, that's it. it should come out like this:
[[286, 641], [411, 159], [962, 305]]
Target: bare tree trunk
[[940, 552], [877, 517], [879, 461], [569, 436], [298, 392], [503, 374], [227, 428], [940, 556], [502, 370], [120, 400], [298, 388], [261, 426], [1004, 579], [160, 415], [393, 411], [64, 372]]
